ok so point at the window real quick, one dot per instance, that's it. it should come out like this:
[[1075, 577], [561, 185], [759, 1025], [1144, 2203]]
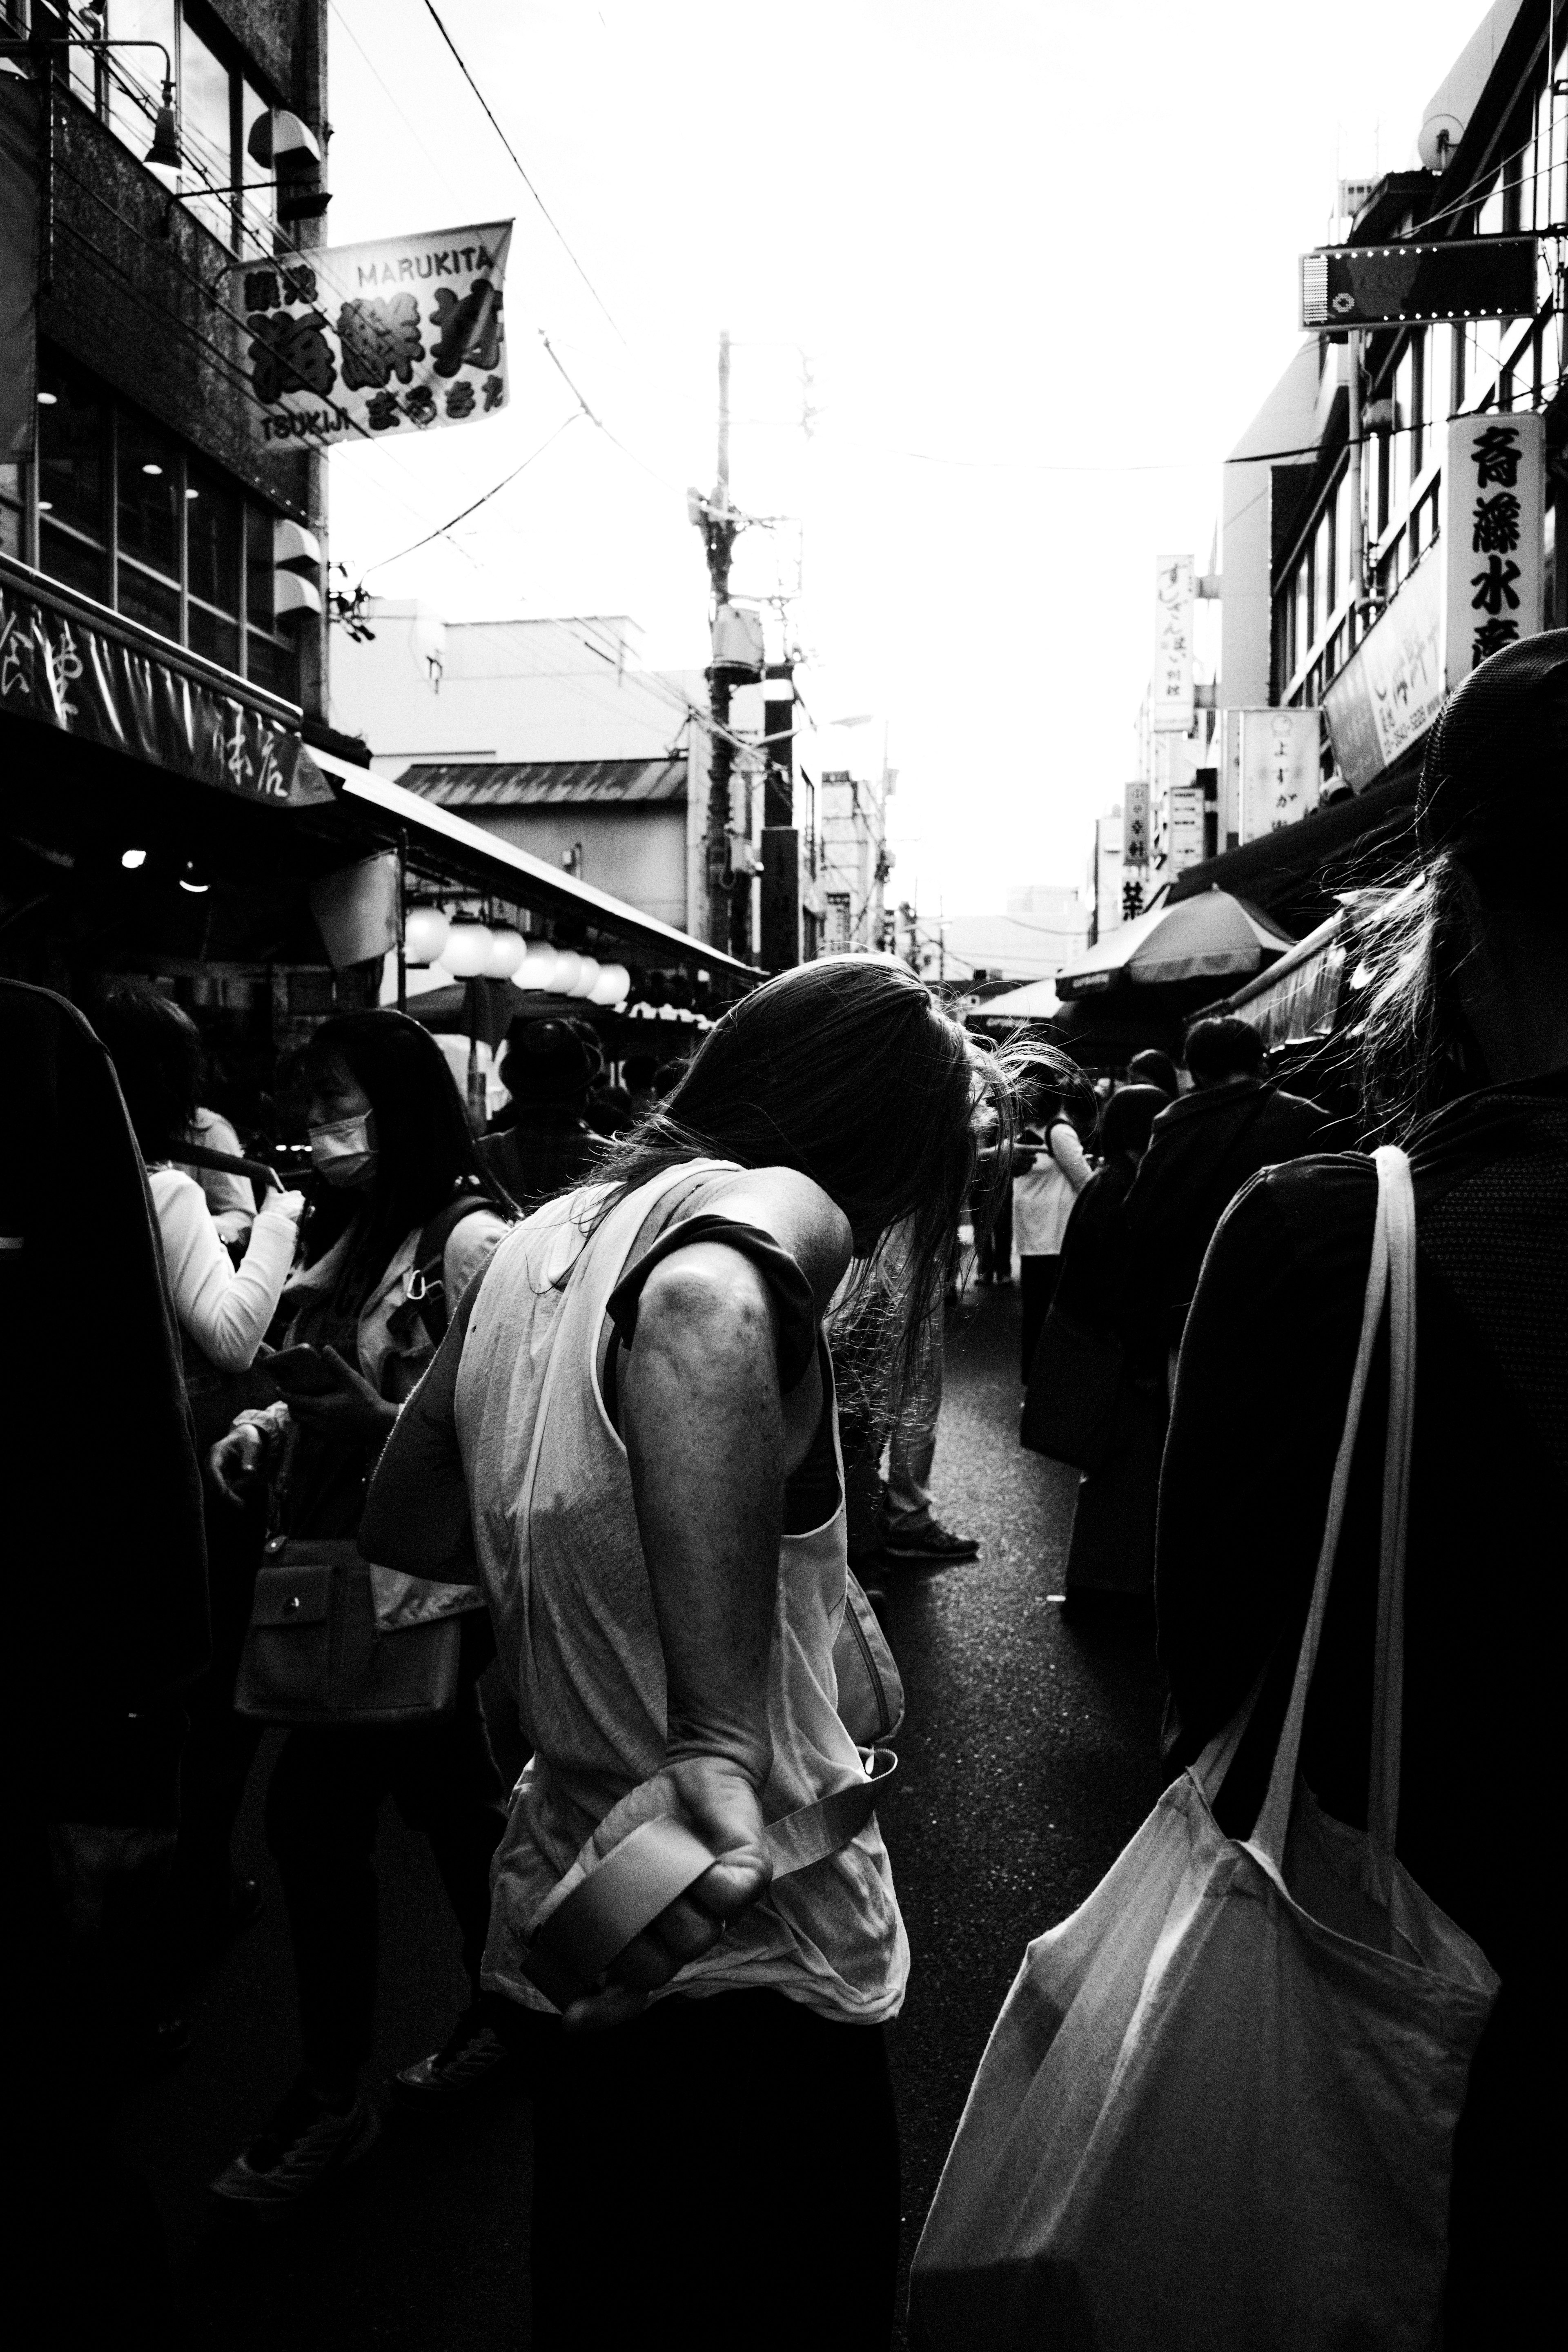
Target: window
[[129, 517], [218, 106], [73, 476]]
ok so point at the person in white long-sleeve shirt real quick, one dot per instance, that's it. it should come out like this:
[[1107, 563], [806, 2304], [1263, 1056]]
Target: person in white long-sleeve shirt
[[224, 1309], [223, 1312]]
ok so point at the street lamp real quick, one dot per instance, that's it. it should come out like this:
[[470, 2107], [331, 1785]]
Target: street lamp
[[165, 149]]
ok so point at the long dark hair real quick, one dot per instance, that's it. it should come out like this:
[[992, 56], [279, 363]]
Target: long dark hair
[[849, 1071], [424, 1150], [156, 1050]]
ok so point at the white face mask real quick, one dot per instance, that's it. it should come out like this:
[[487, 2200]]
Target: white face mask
[[344, 1152]]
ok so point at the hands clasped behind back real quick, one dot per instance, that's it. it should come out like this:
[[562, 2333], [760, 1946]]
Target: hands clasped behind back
[[709, 1439]]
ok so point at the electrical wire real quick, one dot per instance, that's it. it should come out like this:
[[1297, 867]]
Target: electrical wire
[[443, 528], [560, 233]]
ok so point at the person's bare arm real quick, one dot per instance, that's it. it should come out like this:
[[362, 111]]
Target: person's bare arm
[[708, 1444]]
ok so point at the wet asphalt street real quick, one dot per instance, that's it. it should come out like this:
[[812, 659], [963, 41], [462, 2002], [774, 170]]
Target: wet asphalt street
[[1027, 1761]]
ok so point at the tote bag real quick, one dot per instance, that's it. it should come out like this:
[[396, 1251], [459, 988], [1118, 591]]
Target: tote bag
[[1217, 2110]]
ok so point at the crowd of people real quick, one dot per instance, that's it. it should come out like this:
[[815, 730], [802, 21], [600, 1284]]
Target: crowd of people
[[603, 1395]]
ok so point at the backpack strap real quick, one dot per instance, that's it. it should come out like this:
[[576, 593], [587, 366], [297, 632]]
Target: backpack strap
[[426, 1293]]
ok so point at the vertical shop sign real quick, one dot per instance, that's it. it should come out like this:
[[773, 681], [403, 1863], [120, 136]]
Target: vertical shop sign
[[1135, 822], [1170, 704], [382, 340], [1186, 826], [1281, 768], [1495, 533]]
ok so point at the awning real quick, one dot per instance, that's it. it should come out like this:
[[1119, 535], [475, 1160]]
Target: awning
[[546, 783], [1296, 999], [1035, 1000], [68, 663], [1214, 936], [463, 856], [1292, 874]]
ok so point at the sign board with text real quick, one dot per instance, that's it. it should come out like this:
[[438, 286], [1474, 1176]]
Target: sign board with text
[[1495, 487], [1391, 690], [1135, 822], [1186, 826], [1280, 774], [378, 341], [1170, 704]]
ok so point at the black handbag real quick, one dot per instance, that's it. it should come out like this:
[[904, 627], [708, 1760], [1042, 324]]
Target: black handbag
[[1069, 1408], [315, 1654]]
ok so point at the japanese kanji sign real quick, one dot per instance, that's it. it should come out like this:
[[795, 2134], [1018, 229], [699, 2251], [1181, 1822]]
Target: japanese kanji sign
[[1279, 768], [1494, 530], [62, 670], [379, 342], [1135, 822], [1391, 690], [1170, 693]]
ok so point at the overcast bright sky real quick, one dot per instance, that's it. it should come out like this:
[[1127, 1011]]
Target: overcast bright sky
[[1041, 256]]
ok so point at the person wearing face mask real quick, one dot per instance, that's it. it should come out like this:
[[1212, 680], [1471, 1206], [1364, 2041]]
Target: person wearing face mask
[[387, 1125]]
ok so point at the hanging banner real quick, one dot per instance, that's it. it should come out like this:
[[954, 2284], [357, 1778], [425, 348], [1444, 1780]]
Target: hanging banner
[[1495, 534], [1391, 690], [92, 682], [383, 340], [1170, 704], [1281, 768], [18, 267]]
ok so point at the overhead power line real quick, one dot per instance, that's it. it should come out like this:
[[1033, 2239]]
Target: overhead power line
[[442, 528], [517, 161]]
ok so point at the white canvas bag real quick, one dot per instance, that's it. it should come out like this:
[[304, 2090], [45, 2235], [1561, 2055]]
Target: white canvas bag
[[1217, 2109]]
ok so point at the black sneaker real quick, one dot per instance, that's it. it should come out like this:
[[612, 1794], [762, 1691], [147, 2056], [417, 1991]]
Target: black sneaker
[[931, 1543], [473, 2059], [305, 2146]]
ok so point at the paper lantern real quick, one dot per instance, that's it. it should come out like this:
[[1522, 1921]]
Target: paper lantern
[[587, 974], [425, 934], [468, 950], [537, 969], [612, 985], [568, 965], [508, 947]]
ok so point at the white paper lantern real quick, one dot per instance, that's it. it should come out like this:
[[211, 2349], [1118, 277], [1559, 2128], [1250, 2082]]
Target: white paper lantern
[[612, 985], [588, 973], [468, 950], [508, 947], [568, 965], [425, 935], [537, 969]]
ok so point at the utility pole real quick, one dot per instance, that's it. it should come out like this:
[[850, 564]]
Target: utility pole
[[718, 526]]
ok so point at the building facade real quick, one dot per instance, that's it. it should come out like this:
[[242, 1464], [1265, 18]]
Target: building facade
[[1363, 573]]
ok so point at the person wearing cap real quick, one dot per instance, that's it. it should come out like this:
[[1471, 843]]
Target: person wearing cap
[[541, 1143], [1465, 1064]]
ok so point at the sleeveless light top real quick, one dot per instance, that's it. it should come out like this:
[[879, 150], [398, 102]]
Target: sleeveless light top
[[561, 1560]]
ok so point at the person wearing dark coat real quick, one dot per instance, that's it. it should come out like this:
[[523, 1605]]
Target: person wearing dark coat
[[541, 1143], [1465, 1060], [106, 1626], [1203, 1150]]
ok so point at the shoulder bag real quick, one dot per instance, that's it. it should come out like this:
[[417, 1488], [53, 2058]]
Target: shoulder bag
[[1218, 2108], [315, 1652]]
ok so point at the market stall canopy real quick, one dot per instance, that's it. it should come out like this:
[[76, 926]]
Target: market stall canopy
[[1035, 1000], [469, 857], [1210, 938], [1296, 999]]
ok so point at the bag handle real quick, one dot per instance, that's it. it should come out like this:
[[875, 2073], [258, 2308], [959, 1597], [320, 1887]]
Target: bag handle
[[587, 1920], [1388, 1671], [1268, 1835]]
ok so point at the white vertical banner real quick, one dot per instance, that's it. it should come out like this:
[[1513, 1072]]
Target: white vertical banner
[[1135, 822], [1186, 826], [1281, 768], [1170, 704], [1494, 530]]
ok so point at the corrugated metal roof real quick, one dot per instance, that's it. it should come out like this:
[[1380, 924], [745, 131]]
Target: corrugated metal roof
[[545, 783]]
